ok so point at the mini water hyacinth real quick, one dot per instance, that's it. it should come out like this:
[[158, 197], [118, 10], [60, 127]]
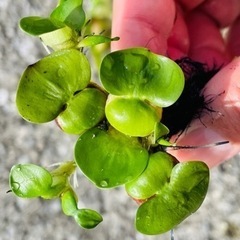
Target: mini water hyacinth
[[121, 135], [180, 196], [31, 181], [140, 84], [46, 86]]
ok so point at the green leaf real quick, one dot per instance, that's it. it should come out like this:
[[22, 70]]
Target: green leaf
[[29, 180], [132, 116], [37, 25], [63, 38], [87, 218], [196, 171], [61, 2], [84, 111], [164, 142], [110, 158], [160, 130], [69, 202], [176, 201], [139, 73], [46, 86], [154, 177], [70, 13], [95, 40]]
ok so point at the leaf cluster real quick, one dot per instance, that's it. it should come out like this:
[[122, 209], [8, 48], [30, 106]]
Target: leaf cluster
[[31, 181], [118, 123]]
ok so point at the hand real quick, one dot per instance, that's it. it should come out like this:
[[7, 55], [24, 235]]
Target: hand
[[192, 28]]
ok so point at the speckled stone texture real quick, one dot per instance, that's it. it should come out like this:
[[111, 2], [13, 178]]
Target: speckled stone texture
[[22, 142]]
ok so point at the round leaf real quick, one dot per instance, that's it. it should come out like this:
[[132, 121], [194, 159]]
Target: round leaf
[[142, 74], [46, 86], [69, 12], [132, 116], [84, 111], [87, 218], [37, 25], [154, 177], [110, 158], [29, 180]]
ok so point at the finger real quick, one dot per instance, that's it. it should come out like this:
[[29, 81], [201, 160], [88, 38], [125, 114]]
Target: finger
[[178, 41], [189, 5], [224, 12], [206, 42], [220, 125], [233, 39], [146, 24]]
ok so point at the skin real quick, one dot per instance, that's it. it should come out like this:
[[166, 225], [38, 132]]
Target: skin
[[192, 28]]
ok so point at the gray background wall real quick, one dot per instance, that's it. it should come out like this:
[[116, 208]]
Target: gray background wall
[[22, 142]]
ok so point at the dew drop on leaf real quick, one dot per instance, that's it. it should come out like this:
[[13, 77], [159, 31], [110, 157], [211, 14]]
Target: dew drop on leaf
[[103, 183], [15, 186], [157, 66], [61, 72]]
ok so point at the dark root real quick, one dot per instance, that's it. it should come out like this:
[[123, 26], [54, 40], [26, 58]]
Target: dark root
[[192, 103]]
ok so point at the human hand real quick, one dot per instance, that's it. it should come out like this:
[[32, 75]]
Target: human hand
[[185, 28]]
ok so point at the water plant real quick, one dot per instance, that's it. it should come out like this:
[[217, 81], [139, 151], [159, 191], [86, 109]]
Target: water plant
[[118, 121]]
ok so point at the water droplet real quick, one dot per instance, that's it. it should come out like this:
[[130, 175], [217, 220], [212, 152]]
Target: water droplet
[[125, 66], [144, 81], [157, 66], [15, 186], [93, 136], [103, 183], [61, 72]]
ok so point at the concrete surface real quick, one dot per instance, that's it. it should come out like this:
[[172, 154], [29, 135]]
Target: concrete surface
[[22, 142]]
